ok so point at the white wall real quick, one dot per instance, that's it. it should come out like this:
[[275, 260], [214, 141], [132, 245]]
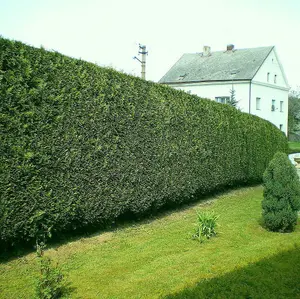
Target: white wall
[[269, 90], [272, 66], [266, 95], [216, 89]]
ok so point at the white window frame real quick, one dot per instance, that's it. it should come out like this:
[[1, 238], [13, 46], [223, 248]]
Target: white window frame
[[258, 103], [273, 106], [281, 106], [222, 99]]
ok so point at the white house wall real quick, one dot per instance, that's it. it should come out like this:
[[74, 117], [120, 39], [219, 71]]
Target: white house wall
[[269, 69], [269, 84], [266, 94], [213, 90]]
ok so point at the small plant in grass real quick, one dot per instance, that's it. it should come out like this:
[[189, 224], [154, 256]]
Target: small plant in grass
[[281, 195], [50, 284], [207, 222]]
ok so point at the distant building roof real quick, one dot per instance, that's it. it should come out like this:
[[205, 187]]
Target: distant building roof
[[240, 64]]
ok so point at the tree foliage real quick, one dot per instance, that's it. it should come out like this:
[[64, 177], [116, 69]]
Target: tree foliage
[[80, 144], [294, 113], [232, 100], [281, 194]]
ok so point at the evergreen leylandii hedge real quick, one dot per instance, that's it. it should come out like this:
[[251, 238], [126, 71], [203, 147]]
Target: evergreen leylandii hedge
[[81, 145]]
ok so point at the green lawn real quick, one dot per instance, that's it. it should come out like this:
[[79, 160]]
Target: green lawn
[[294, 147], [157, 258]]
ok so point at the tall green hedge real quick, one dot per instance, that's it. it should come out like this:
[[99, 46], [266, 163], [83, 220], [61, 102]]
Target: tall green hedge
[[81, 145]]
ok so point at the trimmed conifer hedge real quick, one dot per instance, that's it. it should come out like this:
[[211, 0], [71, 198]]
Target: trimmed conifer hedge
[[81, 145]]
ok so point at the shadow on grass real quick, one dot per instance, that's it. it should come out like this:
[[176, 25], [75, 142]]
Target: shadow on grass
[[123, 221], [275, 277]]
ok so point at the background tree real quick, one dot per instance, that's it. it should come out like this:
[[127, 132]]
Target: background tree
[[281, 194], [294, 114], [232, 100]]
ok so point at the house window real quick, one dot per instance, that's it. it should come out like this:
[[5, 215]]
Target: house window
[[257, 103], [280, 127], [222, 100], [281, 106], [275, 79], [273, 105], [268, 77]]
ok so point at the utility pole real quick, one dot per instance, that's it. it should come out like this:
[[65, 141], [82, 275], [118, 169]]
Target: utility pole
[[142, 50]]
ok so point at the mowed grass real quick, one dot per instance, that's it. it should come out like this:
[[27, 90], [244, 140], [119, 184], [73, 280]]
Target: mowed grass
[[157, 258], [294, 147]]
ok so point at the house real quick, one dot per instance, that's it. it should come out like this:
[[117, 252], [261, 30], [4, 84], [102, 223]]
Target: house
[[254, 76]]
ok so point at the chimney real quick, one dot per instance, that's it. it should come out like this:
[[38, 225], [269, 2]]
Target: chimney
[[206, 51], [230, 47]]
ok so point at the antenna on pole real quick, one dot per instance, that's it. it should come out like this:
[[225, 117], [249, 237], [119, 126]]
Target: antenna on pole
[[142, 50]]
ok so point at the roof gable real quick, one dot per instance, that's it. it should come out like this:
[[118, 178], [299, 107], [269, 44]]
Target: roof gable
[[240, 64]]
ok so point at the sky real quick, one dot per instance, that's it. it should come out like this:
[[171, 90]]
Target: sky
[[109, 32]]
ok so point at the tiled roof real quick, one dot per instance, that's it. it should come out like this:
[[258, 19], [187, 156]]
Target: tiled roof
[[240, 64]]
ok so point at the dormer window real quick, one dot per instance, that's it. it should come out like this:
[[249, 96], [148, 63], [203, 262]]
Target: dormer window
[[181, 77], [268, 77], [275, 79]]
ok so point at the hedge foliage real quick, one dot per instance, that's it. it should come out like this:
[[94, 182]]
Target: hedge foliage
[[281, 201], [81, 145]]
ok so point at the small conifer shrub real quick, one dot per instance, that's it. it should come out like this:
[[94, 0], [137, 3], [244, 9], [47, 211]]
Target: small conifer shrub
[[281, 195]]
